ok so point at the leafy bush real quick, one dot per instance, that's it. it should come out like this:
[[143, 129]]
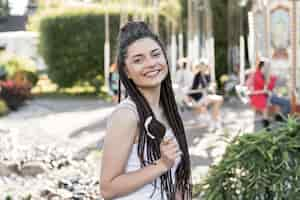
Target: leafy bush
[[32, 77], [72, 44], [3, 107], [14, 94], [14, 66], [260, 166]]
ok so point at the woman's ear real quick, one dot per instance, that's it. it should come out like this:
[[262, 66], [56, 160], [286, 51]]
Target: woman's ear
[[127, 72]]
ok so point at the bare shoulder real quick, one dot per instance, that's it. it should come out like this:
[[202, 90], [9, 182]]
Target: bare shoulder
[[123, 115], [123, 122], [122, 126]]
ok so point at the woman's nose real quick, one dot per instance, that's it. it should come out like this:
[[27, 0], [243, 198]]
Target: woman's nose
[[150, 62]]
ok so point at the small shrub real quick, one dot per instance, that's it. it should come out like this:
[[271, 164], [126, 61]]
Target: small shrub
[[8, 197], [14, 94], [260, 166], [3, 107], [15, 66]]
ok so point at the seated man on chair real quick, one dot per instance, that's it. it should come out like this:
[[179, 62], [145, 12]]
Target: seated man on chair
[[202, 94]]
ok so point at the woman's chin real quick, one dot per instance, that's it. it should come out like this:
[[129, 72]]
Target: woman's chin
[[150, 85]]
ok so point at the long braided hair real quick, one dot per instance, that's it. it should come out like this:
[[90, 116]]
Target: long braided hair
[[129, 33]]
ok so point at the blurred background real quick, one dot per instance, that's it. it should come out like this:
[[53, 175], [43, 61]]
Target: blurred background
[[56, 57]]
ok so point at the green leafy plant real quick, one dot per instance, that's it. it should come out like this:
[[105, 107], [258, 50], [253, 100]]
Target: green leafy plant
[[3, 107], [13, 65], [4, 8], [8, 197], [28, 197], [259, 166], [72, 44], [14, 94]]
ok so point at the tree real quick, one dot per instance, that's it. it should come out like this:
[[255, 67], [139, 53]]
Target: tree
[[4, 8]]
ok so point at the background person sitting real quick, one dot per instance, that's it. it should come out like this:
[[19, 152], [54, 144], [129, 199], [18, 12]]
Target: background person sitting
[[182, 82], [202, 94], [261, 94], [114, 82], [184, 76]]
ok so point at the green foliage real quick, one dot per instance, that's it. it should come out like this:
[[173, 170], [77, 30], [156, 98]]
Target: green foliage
[[8, 197], [14, 64], [219, 11], [4, 8], [3, 107], [72, 44], [259, 166], [32, 77], [28, 197]]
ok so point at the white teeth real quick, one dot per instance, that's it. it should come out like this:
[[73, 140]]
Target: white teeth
[[152, 74]]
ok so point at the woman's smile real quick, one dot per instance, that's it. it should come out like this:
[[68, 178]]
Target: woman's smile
[[152, 73], [146, 64]]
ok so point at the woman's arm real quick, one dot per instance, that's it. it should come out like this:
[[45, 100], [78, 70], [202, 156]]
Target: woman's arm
[[178, 195], [121, 132]]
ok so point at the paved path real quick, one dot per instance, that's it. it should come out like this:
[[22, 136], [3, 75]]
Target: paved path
[[79, 123]]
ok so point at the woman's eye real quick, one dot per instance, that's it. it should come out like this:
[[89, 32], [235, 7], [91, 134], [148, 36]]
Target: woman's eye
[[156, 55], [137, 60]]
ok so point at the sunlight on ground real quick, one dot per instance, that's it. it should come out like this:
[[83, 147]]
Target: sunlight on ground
[[46, 86]]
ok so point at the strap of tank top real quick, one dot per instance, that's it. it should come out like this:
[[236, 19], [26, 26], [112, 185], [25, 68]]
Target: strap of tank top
[[128, 103]]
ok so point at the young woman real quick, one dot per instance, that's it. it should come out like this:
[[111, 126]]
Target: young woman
[[145, 154]]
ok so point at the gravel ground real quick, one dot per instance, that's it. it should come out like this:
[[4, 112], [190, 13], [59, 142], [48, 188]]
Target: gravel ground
[[61, 140]]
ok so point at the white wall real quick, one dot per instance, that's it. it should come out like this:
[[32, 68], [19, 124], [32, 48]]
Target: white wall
[[23, 44], [18, 7]]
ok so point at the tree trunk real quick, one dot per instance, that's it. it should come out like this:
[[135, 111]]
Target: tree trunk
[[173, 50], [156, 16], [106, 48], [294, 58], [190, 34]]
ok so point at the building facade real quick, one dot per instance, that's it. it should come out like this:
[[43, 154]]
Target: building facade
[[275, 29]]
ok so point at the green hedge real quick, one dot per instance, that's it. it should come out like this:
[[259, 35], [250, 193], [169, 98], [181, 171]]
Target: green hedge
[[260, 166], [72, 44]]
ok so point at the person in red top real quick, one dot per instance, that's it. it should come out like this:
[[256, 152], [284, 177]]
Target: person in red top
[[261, 93]]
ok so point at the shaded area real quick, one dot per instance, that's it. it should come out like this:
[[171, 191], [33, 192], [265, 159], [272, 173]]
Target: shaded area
[[79, 124]]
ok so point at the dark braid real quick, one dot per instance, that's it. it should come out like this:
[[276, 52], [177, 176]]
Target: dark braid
[[129, 33]]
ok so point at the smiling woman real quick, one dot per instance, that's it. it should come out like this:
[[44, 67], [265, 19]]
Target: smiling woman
[[148, 67], [145, 153]]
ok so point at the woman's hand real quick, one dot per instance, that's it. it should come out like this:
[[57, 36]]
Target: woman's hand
[[169, 151]]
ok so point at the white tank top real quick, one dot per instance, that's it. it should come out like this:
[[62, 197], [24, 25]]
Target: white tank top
[[133, 164]]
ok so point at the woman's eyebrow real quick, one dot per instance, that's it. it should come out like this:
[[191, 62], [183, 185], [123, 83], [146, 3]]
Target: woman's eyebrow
[[137, 55], [154, 50]]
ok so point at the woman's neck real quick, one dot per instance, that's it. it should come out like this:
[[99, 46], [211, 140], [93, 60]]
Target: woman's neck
[[152, 96]]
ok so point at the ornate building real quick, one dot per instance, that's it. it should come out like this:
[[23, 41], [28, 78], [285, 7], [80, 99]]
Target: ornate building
[[275, 34]]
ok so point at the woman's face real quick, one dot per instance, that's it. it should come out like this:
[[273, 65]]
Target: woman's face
[[145, 63]]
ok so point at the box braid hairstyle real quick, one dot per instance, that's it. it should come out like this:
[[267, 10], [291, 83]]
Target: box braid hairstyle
[[129, 33]]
